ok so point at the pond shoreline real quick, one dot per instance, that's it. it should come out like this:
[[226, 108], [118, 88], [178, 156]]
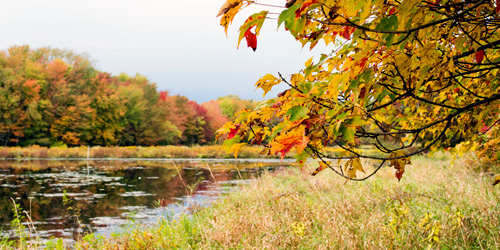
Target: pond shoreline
[[286, 160], [157, 152], [290, 209], [166, 152], [65, 196]]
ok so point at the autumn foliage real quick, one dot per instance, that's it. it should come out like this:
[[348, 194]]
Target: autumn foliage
[[405, 77], [55, 97]]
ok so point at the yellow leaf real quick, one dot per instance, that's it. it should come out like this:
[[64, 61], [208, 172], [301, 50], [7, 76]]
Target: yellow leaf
[[365, 12], [267, 82], [296, 79], [227, 6], [352, 166], [356, 164], [229, 10], [341, 154], [309, 62], [351, 172], [496, 181], [236, 148]]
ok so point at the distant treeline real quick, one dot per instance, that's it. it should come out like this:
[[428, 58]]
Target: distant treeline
[[51, 97]]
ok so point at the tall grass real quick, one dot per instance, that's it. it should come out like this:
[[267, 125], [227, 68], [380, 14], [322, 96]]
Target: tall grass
[[439, 204], [213, 151]]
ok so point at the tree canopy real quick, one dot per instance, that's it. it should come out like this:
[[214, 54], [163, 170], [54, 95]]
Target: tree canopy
[[56, 97], [403, 76]]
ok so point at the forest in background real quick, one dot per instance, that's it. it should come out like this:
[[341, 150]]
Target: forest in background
[[53, 97]]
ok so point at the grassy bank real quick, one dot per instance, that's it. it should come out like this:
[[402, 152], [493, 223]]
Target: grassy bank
[[439, 204], [212, 151]]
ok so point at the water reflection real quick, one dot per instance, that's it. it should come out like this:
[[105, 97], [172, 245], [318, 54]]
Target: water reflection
[[106, 194]]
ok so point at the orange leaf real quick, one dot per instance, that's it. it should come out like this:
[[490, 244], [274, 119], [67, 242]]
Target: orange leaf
[[286, 141], [322, 166], [346, 32]]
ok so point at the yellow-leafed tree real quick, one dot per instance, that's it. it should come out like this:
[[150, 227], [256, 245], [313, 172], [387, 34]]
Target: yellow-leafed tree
[[394, 74]]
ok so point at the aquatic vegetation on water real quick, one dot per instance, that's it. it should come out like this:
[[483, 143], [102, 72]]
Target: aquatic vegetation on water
[[75, 200]]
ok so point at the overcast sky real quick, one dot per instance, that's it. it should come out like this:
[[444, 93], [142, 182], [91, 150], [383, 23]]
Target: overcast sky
[[179, 45]]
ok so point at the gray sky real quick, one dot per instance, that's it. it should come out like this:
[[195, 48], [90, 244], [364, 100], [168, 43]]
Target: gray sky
[[177, 44]]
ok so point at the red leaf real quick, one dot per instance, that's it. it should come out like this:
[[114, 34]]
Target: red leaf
[[485, 128], [251, 39], [479, 56], [297, 13], [392, 11], [363, 62], [304, 6], [233, 131], [163, 95], [498, 6], [346, 32], [399, 173], [362, 92]]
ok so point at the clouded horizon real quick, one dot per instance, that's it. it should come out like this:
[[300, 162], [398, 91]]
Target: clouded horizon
[[179, 45]]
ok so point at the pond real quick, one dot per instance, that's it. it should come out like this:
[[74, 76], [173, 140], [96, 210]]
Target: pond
[[69, 198]]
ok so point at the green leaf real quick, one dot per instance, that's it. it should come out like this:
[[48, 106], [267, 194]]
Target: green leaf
[[356, 121], [388, 23], [389, 39], [302, 157], [341, 116], [277, 130], [299, 25], [230, 142], [297, 112], [305, 87], [367, 75], [354, 84], [256, 20], [288, 16], [348, 133]]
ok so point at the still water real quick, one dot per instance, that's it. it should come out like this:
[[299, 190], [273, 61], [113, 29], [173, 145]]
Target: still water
[[67, 199]]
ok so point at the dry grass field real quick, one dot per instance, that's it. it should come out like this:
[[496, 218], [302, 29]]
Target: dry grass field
[[439, 204]]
